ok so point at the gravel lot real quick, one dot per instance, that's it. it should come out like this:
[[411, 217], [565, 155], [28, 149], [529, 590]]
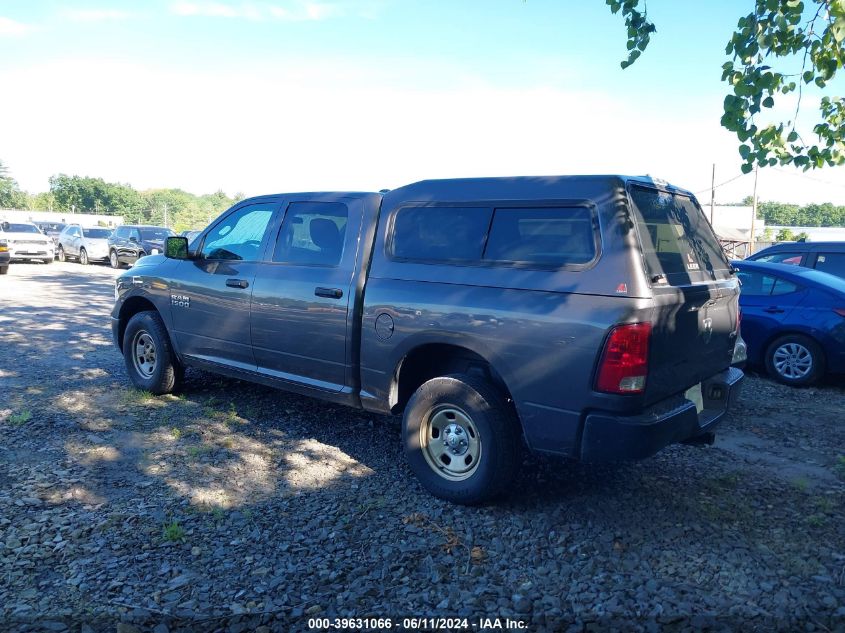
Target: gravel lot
[[236, 507]]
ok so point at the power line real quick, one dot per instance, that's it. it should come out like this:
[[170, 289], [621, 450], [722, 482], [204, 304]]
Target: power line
[[824, 182], [721, 184]]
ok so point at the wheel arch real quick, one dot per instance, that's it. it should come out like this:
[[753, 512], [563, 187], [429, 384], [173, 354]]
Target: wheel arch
[[429, 360], [131, 307]]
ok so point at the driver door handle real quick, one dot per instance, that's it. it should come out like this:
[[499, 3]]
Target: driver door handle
[[329, 293], [237, 283]]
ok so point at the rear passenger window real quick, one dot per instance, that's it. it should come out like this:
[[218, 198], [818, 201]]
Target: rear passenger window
[[546, 236], [832, 263], [313, 234], [781, 258], [440, 233]]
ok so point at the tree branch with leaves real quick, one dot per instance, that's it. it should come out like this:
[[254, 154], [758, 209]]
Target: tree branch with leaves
[[767, 41]]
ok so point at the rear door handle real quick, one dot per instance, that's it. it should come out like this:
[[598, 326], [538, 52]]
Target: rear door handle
[[329, 293], [237, 283], [773, 310]]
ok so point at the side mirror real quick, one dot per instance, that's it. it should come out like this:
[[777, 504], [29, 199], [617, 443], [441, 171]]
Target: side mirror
[[132, 238], [176, 247]]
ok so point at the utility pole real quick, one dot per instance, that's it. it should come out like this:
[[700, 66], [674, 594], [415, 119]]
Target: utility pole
[[712, 193], [753, 213]]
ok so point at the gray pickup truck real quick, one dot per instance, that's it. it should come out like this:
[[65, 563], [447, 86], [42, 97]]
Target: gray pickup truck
[[592, 317]]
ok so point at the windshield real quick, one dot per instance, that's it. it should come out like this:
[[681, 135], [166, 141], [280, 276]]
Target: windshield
[[155, 233], [20, 228], [97, 233], [679, 246]]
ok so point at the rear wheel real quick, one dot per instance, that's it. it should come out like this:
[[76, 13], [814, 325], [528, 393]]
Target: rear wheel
[[795, 359], [148, 354], [4, 269], [462, 439], [83, 257], [114, 262], [61, 254]]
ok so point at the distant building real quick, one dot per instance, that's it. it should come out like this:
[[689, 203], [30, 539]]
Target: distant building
[[83, 219]]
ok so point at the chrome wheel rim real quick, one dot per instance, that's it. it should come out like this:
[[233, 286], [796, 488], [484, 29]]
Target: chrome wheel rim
[[83, 257], [793, 361], [143, 353], [61, 254], [450, 443], [113, 259]]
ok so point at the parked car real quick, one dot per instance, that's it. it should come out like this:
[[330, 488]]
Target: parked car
[[593, 317], [85, 245], [51, 230], [26, 242], [793, 320], [129, 243], [828, 257], [5, 257], [191, 235]]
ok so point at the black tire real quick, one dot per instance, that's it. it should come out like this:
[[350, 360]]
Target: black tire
[[47, 261], [114, 262], [83, 257], [164, 373], [4, 269], [61, 254], [484, 411], [795, 360]]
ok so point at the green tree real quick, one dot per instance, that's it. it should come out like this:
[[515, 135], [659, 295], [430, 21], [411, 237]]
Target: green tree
[[93, 195], [785, 235], [11, 196], [777, 32]]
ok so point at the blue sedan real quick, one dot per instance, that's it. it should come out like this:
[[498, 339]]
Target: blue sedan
[[793, 320]]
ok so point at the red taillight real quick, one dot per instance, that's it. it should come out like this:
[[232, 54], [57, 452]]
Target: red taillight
[[840, 311], [624, 361]]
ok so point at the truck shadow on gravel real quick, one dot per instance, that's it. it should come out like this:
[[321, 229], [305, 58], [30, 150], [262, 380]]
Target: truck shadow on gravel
[[230, 498]]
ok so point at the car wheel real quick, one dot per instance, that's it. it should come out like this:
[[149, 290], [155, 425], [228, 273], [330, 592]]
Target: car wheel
[[114, 262], [48, 261], [795, 360], [83, 257], [149, 356], [4, 270], [462, 439], [62, 257]]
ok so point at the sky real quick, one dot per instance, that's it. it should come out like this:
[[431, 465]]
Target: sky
[[266, 96]]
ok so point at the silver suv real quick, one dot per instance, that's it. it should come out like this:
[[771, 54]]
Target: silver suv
[[83, 244]]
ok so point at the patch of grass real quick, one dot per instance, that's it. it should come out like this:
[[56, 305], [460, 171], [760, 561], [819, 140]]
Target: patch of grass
[[817, 520], [197, 451], [137, 396], [173, 532], [801, 484], [23, 417], [839, 466], [176, 433], [824, 504]]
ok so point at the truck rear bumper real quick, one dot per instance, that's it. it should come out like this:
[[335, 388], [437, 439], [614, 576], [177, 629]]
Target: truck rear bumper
[[610, 437]]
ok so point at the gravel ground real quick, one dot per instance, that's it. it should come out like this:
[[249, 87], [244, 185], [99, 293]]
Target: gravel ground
[[234, 507]]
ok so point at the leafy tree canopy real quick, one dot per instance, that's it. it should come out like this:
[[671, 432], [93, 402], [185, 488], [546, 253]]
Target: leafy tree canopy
[[777, 49]]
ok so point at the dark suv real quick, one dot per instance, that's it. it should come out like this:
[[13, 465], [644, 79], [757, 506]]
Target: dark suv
[[130, 242], [828, 257], [593, 317]]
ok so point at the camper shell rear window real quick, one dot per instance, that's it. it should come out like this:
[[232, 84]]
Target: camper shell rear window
[[679, 246]]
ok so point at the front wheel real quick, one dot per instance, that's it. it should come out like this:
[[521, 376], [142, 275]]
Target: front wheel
[[462, 439], [4, 269], [62, 256], [83, 257], [795, 359], [114, 262], [150, 361]]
